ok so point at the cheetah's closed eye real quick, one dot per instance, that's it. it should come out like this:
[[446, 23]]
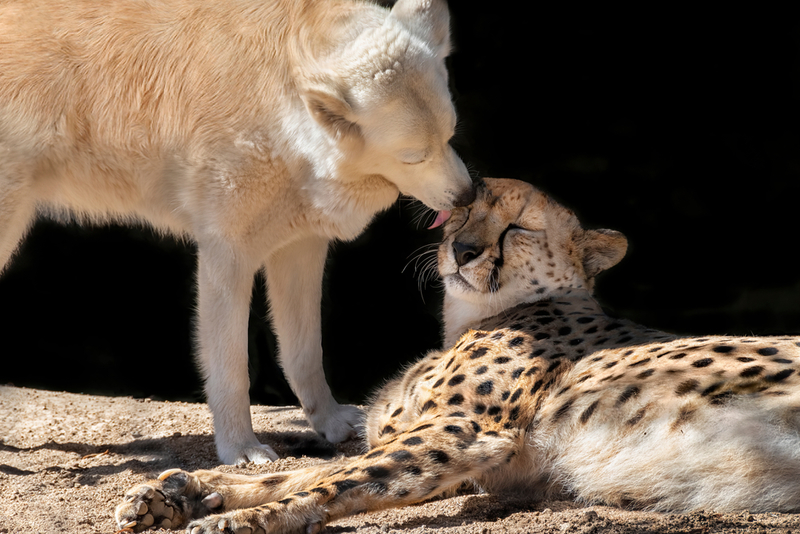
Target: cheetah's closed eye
[[538, 391]]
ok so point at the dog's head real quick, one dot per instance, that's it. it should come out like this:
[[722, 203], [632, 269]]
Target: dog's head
[[384, 102]]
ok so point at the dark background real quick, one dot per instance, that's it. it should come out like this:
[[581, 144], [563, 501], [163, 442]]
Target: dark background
[[679, 129]]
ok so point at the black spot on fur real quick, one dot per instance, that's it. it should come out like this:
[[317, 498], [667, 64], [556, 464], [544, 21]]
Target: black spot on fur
[[285, 501], [475, 426], [564, 331], [723, 349], [516, 342], [397, 412], [388, 429], [612, 326], [781, 375], [479, 409], [421, 427], [584, 320], [563, 410], [637, 417], [645, 374], [427, 406], [629, 393], [413, 470], [439, 383], [344, 485], [516, 395], [440, 457], [587, 413], [781, 360], [686, 387], [609, 365], [539, 336], [517, 372], [456, 400], [537, 353], [768, 351], [677, 356], [640, 362], [711, 389], [513, 414], [453, 429], [745, 359], [536, 386], [485, 388], [377, 471], [374, 454], [322, 491], [456, 380], [705, 362], [401, 456], [754, 370], [553, 366], [493, 410], [480, 370], [477, 353], [502, 359]]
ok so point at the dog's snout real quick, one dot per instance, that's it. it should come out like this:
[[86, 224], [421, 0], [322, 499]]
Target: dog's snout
[[466, 197], [465, 253]]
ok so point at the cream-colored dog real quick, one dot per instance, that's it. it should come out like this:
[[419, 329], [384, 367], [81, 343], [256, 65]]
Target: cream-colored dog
[[261, 129]]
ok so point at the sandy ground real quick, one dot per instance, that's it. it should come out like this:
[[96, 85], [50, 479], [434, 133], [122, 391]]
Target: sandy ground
[[65, 460]]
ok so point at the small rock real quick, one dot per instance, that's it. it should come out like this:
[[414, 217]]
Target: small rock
[[589, 516]]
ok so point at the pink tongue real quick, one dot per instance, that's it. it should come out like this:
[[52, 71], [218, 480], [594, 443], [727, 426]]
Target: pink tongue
[[441, 217]]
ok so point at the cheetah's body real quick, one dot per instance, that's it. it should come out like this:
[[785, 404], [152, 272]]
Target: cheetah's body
[[550, 396]]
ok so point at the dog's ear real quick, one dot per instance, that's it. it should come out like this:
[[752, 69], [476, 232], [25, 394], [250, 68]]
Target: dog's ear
[[429, 18], [331, 111]]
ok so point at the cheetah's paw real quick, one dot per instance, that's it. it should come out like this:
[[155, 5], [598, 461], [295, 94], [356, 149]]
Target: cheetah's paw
[[168, 502]]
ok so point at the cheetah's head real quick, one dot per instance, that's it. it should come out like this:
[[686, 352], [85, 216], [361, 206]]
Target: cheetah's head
[[513, 245]]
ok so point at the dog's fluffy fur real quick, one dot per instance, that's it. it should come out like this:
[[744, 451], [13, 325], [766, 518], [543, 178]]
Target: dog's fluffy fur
[[262, 129]]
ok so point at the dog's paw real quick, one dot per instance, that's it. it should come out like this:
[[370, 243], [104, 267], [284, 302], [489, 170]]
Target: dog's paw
[[339, 423], [170, 501], [238, 453]]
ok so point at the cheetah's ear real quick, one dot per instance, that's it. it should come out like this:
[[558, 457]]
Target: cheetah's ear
[[602, 249]]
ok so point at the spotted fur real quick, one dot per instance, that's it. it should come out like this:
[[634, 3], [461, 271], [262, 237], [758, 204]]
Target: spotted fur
[[541, 392]]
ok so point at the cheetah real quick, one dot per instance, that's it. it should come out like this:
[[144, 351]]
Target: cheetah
[[541, 392]]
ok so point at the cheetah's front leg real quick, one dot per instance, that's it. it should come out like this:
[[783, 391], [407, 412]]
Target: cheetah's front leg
[[177, 497], [418, 464]]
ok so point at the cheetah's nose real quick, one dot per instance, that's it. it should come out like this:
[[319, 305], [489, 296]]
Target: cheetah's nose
[[465, 253]]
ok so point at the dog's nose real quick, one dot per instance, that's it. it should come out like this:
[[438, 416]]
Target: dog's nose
[[465, 253], [466, 197]]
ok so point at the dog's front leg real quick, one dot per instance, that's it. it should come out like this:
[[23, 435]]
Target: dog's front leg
[[294, 280], [225, 282]]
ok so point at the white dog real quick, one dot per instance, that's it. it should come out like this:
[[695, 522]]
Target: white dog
[[261, 129]]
